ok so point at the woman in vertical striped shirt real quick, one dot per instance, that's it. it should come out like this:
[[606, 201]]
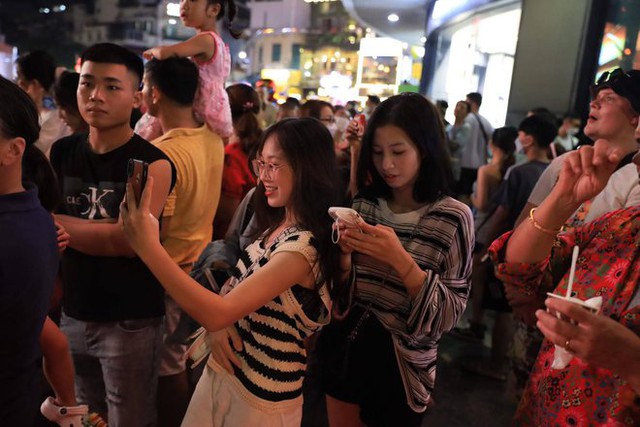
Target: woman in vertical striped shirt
[[409, 266]]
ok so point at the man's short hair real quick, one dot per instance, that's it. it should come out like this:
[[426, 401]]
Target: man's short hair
[[543, 131], [544, 113], [442, 104], [109, 53], [374, 99], [475, 97], [38, 65], [292, 101], [175, 77], [626, 84]]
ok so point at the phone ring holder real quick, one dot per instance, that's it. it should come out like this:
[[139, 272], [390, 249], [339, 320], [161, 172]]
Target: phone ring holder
[[335, 232]]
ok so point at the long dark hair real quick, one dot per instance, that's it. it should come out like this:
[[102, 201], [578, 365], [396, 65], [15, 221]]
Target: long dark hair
[[422, 123], [505, 139], [245, 105], [308, 147]]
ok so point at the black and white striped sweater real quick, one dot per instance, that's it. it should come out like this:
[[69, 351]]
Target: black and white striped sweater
[[273, 356]]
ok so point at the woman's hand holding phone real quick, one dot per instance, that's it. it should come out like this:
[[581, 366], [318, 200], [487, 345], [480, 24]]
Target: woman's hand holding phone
[[377, 241], [355, 130], [140, 227], [137, 172], [345, 218]]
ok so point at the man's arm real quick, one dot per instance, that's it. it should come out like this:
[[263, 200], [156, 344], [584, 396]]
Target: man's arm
[[107, 239]]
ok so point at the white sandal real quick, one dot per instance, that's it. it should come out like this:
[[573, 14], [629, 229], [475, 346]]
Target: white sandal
[[64, 416]]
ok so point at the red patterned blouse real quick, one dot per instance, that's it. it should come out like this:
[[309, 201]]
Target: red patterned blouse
[[608, 266]]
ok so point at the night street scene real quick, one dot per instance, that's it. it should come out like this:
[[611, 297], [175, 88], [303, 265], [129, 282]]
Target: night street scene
[[319, 213]]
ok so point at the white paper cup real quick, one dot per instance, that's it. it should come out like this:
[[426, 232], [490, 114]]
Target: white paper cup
[[577, 301]]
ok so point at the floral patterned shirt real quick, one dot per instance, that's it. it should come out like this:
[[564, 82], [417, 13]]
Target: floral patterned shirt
[[608, 266]]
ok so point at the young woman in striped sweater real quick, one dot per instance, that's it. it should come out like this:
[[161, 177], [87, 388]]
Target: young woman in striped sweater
[[408, 265], [280, 292]]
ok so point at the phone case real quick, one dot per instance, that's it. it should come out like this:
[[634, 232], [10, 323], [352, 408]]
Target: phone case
[[346, 215], [137, 176]]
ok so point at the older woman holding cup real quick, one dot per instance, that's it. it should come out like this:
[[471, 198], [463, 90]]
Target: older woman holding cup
[[600, 384]]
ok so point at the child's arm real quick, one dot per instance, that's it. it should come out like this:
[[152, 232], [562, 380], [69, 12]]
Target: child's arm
[[57, 363], [202, 46]]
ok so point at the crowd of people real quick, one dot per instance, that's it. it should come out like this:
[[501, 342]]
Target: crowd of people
[[226, 295]]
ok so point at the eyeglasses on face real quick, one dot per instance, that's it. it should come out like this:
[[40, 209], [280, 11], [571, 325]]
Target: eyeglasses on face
[[269, 169], [328, 119]]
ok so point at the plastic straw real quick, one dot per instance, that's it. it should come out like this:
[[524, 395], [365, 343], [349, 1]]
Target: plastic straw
[[572, 272]]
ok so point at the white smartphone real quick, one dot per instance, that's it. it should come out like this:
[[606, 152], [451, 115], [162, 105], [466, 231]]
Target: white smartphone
[[347, 216]]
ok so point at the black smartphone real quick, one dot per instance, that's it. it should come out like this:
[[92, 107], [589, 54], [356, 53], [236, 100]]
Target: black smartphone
[[137, 176]]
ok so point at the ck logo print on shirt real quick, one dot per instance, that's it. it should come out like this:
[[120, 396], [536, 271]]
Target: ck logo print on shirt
[[92, 201]]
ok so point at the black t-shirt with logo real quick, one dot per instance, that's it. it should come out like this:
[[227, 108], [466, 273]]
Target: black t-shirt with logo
[[102, 288]]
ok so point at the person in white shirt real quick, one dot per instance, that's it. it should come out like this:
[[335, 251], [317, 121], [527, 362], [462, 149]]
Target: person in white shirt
[[474, 154], [567, 131]]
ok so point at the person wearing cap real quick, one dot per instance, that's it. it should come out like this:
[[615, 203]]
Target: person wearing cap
[[613, 115], [601, 383]]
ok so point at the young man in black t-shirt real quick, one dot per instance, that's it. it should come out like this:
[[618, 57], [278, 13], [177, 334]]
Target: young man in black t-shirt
[[113, 305]]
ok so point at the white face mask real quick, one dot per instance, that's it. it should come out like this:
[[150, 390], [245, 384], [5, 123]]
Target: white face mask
[[519, 146], [333, 129], [573, 131], [342, 123]]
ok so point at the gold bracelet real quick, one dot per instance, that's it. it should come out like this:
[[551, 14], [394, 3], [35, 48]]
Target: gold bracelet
[[533, 222]]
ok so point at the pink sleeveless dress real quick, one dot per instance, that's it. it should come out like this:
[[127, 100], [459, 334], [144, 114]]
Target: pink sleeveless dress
[[211, 104]]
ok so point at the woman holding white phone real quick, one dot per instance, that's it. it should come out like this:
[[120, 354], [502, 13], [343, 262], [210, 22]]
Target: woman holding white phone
[[408, 264], [281, 293]]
